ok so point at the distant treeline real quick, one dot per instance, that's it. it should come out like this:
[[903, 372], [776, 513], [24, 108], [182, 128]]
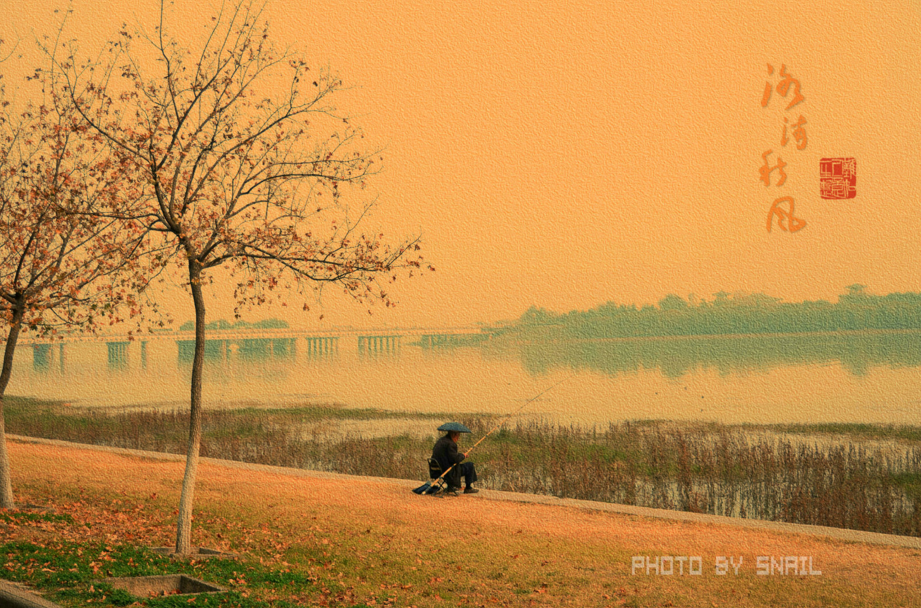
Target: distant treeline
[[856, 353], [222, 324], [727, 314]]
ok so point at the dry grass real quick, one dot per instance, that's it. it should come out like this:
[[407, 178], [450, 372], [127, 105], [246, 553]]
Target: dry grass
[[380, 544], [855, 483]]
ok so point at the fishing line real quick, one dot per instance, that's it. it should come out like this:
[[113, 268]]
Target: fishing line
[[496, 427]]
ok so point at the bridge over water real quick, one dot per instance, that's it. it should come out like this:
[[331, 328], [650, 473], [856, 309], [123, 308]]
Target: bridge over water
[[220, 344], [427, 335]]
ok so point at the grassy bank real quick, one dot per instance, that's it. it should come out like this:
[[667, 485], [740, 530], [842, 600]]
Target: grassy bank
[[70, 573], [354, 543], [860, 477]]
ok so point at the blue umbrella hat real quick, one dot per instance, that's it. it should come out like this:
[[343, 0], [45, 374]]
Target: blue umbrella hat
[[457, 427]]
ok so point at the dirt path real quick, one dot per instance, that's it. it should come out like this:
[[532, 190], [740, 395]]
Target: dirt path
[[501, 547]]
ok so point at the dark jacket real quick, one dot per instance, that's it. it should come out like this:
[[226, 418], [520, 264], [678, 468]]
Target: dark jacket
[[445, 452]]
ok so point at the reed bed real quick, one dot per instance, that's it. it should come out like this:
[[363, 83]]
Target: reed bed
[[702, 468]]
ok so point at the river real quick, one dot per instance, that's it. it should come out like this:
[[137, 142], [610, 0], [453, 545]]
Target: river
[[839, 378]]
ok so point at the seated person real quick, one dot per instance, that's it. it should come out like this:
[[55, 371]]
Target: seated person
[[445, 452]]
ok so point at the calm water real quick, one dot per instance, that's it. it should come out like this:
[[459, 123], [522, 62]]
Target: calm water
[[872, 378]]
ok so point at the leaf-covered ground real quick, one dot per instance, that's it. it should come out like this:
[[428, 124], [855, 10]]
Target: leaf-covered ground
[[334, 542]]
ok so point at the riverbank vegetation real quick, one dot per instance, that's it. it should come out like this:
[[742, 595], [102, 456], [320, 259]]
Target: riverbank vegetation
[[676, 357], [862, 477], [725, 314]]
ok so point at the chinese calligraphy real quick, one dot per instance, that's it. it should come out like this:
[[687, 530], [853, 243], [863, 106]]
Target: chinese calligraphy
[[783, 87], [794, 224], [767, 168], [785, 219], [799, 133]]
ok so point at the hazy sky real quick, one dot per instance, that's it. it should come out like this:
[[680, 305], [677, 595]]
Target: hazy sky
[[568, 155]]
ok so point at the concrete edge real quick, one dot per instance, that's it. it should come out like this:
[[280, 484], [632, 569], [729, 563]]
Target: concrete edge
[[131, 584], [841, 534], [16, 595]]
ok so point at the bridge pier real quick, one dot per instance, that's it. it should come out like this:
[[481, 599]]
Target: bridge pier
[[41, 357], [118, 355], [378, 344], [322, 346], [44, 356]]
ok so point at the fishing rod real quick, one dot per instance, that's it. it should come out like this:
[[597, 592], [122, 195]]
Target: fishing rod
[[428, 486]]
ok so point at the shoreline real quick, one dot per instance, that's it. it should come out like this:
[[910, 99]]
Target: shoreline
[[866, 479], [842, 534], [802, 334], [863, 432]]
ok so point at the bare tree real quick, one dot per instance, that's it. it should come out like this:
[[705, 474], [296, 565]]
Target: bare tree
[[60, 263], [245, 166]]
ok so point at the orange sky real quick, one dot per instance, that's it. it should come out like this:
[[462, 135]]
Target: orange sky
[[568, 155]]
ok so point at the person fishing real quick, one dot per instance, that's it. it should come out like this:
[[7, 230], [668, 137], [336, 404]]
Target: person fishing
[[451, 460]]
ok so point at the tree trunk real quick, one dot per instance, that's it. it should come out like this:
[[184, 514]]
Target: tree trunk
[[6, 486], [184, 525]]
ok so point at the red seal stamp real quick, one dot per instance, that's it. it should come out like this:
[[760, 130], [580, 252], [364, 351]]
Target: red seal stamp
[[838, 178]]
